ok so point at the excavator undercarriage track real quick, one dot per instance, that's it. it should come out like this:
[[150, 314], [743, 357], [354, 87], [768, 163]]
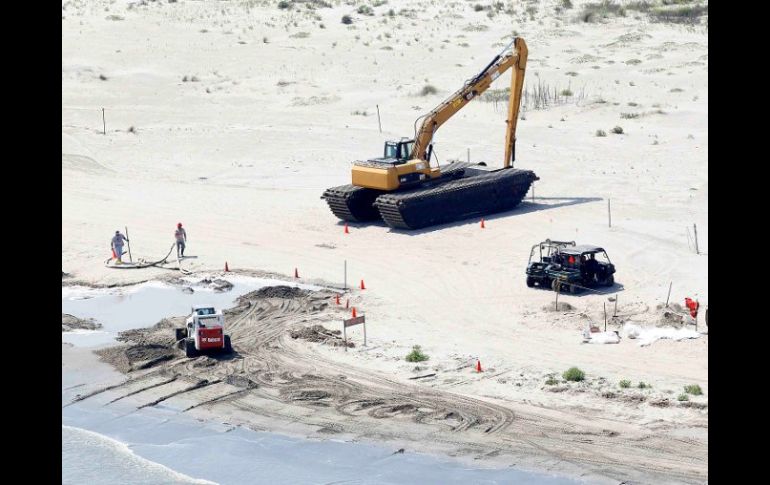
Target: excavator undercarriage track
[[462, 192], [475, 193]]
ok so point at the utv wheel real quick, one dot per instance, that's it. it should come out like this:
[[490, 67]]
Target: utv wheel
[[530, 281], [573, 289], [228, 346], [610, 280], [189, 348], [181, 333]]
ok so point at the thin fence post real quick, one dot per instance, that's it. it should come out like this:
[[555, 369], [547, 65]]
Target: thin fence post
[[558, 290], [605, 315], [469, 155], [669, 293], [615, 313], [609, 214], [695, 231], [378, 118], [104, 122], [346, 275]]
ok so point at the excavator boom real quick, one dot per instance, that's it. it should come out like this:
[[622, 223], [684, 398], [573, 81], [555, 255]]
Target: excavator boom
[[516, 58]]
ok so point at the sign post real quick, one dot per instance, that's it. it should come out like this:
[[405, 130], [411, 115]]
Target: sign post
[[351, 322]]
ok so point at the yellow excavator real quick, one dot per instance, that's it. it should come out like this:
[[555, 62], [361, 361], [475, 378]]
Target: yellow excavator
[[405, 191]]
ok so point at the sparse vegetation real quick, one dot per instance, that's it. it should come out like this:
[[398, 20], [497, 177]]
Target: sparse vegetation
[[284, 5], [347, 19], [300, 35], [428, 89], [566, 4], [644, 385], [624, 384], [571, 73], [629, 116], [416, 355], [566, 92], [551, 381], [595, 11], [693, 389], [683, 397], [684, 14], [103, 77], [617, 130], [365, 10], [601, 133], [574, 374]]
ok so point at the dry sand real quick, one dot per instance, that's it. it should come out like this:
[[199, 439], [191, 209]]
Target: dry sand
[[241, 151]]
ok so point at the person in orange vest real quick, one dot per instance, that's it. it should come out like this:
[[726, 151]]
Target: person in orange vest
[[181, 240]]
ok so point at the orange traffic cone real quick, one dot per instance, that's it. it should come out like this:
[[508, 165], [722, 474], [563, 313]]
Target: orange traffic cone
[[346, 228], [482, 223], [478, 366], [363, 286], [227, 268], [337, 300], [354, 312], [296, 274]]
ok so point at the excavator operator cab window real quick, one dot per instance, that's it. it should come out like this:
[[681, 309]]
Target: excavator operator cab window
[[406, 150], [391, 149]]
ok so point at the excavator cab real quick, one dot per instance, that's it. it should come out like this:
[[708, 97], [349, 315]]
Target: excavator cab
[[399, 150]]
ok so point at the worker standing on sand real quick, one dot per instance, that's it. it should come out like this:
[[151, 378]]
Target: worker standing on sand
[[181, 238], [117, 246]]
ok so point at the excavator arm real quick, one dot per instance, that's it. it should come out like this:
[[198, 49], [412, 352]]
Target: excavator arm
[[516, 58]]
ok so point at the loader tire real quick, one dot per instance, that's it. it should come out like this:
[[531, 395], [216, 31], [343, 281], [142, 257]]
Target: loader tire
[[189, 348], [228, 346]]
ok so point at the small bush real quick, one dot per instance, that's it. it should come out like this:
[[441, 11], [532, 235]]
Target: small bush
[[572, 73], [566, 92], [686, 14], [625, 384], [644, 385], [593, 11], [347, 19], [566, 4], [574, 374], [391, 13], [102, 77], [683, 397], [629, 116], [428, 89], [365, 10], [416, 355], [478, 8], [284, 5], [551, 381], [601, 133], [617, 130], [693, 389]]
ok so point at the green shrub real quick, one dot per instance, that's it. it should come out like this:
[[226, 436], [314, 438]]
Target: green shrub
[[284, 5], [617, 130], [551, 381], [347, 19], [683, 397], [693, 389], [644, 385], [625, 383], [428, 89], [601, 133], [416, 355], [574, 374]]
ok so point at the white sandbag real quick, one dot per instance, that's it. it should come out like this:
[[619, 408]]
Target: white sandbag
[[646, 336]]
